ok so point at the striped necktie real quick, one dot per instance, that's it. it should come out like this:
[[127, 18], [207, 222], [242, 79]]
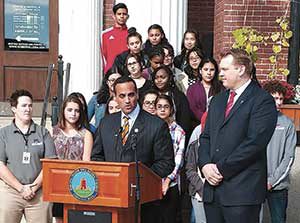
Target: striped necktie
[[230, 103], [125, 129]]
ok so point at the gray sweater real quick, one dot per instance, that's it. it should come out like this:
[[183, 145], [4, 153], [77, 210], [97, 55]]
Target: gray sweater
[[281, 153]]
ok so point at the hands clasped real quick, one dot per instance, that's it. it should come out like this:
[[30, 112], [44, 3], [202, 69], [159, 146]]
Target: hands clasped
[[212, 174], [27, 192]]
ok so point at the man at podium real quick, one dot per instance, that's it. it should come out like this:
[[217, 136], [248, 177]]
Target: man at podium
[[118, 134]]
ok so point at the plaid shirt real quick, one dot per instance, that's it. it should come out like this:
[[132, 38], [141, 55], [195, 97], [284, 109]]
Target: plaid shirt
[[178, 139]]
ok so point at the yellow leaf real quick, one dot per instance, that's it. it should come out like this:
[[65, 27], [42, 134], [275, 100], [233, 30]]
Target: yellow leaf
[[272, 59], [288, 34], [255, 48], [275, 36], [248, 48], [285, 43], [283, 25], [278, 20], [276, 49], [285, 72]]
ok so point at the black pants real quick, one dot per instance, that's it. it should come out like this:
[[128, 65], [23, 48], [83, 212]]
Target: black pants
[[150, 212], [170, 205], [218, 213]]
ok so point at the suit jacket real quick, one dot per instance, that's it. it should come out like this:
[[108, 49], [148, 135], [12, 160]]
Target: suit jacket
[[153, 140], [237, 145]]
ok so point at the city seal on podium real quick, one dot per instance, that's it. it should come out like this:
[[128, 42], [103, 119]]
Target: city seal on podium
[[83, 184]]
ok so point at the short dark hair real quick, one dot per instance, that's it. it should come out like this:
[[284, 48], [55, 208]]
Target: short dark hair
[[16, 94], [156, 51], [170, 49], [119, 6], [274, 86], [149, 91], [124, 79]]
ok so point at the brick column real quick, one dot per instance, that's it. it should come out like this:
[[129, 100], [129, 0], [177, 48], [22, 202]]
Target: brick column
[[108, 13], [259, 14]]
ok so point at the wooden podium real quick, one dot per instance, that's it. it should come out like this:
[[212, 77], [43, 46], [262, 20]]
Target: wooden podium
[[116, 189]]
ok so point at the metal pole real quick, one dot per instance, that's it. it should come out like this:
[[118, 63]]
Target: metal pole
[[293, 61], [54, 111], [60, 79], [47, 93], [67, 80]]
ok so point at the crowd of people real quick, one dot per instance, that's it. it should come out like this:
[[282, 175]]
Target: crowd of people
[[208, 126]]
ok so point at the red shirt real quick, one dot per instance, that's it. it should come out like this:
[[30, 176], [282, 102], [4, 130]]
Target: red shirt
[[114, 42]]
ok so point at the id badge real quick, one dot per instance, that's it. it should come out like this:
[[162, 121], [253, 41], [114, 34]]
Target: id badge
[[26, 158]]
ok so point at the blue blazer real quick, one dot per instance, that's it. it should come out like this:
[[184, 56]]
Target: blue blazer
[[237, 145]]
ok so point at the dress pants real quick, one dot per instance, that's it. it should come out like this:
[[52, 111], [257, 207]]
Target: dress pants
[[13, 206], [218, 213]]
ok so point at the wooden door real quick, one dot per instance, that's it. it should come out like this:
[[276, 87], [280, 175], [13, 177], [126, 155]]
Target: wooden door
[[28, 44]]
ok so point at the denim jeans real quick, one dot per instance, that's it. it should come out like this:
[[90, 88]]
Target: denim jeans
[[277, 202]]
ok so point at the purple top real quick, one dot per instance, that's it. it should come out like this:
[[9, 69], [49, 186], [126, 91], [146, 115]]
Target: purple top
[[197, 99]]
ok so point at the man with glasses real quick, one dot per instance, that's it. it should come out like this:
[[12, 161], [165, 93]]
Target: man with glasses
[[116, 132]]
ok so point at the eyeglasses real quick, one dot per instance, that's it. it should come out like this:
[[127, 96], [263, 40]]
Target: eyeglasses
[[132, 64], [149, 103], [165, 107]]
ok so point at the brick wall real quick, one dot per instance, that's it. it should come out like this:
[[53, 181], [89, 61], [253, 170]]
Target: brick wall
[[201, 18], [259, 14], [107, 13]]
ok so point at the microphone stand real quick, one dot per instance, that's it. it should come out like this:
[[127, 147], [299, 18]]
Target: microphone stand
[[116, 145], [137, 178]]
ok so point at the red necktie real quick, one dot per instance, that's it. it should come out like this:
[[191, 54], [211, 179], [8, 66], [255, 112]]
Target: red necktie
[[230, 103]]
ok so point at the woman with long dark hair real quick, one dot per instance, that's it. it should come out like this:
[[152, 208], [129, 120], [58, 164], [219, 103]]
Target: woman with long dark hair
[[73, 141], [207, 86], [189, 41], [163, 82]]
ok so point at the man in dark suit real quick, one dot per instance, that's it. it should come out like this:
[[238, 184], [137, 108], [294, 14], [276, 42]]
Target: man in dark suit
[[232, 152], [113, 139]]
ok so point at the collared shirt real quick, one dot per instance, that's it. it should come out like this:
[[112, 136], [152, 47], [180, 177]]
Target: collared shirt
[[240, 90], [13, 145], [132, 117]]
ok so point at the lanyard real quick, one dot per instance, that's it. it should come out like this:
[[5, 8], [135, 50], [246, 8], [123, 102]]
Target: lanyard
[[25, 136]]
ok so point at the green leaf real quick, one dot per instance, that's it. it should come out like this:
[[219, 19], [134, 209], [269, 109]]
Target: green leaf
[[288, 34], [275, 36], [255, 48], [272, 59], [276, 49]]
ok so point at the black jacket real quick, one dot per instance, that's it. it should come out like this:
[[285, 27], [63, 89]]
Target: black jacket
[[154, 144]]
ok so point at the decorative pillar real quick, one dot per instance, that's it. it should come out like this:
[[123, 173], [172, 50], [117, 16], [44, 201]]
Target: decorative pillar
[[79, 43]]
